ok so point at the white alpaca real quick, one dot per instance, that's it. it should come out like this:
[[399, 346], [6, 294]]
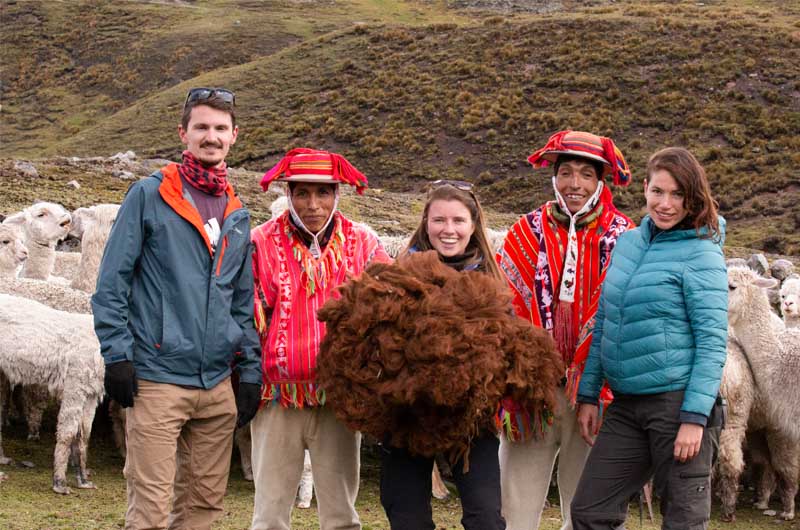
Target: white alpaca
[[12, 254], [496, 238], [278, 206], [790, 302], [394, 245], [66, 264], [44, 224], [93, 227], [747, 420], [13, 251], [775, 362], [58, 350], [55, 295]]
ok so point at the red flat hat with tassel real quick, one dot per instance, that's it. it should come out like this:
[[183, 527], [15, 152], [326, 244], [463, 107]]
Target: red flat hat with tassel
[[585, 145], [309, 165]]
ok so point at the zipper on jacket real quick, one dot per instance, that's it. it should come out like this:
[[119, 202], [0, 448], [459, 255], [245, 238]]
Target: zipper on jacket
[[222, 248], [211, 278]]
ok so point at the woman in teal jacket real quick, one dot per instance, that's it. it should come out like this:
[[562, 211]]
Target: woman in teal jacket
[[659, 340]]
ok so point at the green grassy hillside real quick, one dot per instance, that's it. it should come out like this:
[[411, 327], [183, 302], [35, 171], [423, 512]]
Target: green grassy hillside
[[411, 96], [68, 66]]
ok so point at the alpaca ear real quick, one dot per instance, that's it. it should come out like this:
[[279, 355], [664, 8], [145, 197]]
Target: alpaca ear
[[18, 219], [766, 283]]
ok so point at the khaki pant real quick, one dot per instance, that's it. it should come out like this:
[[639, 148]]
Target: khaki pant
[[190, 426], [526, 468], [280, 437]]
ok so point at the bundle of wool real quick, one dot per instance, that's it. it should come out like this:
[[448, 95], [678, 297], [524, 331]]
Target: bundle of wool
[[419, 354]]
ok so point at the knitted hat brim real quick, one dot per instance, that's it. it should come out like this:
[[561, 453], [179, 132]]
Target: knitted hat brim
[[552, 156], [315, 179]]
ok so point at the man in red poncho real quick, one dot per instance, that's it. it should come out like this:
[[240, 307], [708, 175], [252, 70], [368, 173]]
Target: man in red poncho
[[555, 259], [300, 258]]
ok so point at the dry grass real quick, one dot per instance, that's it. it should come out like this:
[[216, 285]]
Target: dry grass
[[28, 503]]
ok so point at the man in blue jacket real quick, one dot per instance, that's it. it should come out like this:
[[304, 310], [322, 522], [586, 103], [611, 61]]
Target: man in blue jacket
[[173, 312]]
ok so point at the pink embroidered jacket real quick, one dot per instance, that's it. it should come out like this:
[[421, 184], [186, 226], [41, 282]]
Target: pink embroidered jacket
[[290, 286]]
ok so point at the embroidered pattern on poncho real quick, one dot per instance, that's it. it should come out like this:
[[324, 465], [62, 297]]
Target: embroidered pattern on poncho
[[532, 258], [290, 287]]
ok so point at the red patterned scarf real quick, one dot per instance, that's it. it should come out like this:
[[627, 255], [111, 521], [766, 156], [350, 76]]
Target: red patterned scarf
[[211, 180]]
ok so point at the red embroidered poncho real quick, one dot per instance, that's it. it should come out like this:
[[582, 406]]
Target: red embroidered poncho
[[290, 287], [532, 259]]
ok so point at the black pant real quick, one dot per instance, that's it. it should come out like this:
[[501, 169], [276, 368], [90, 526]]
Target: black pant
[[406, 487], [636, 442]]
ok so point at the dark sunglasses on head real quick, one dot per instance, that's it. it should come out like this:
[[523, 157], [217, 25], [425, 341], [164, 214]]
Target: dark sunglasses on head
[[202, 94], [462, 185]]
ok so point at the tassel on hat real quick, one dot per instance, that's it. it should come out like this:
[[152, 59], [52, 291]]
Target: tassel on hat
[[310, 165]]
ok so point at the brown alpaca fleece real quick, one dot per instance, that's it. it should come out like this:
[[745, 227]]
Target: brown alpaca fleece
[[422, 354]]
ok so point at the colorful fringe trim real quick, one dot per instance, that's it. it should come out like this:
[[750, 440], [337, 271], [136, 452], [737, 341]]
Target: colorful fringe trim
[[573, 382], [317, 272], [293, 395], [518, 426]]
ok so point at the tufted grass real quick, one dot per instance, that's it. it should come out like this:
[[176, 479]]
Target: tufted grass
[[27, 503]]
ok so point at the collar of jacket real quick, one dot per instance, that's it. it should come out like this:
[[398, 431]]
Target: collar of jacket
[[648, 229], [171, 190]]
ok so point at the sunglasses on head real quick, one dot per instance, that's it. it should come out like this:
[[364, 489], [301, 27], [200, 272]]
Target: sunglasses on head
[[202, 94], [462, 185]]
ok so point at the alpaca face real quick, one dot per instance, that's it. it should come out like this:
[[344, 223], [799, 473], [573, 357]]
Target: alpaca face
[[745, 289], [47, 223], [12, 249], [790, 298]]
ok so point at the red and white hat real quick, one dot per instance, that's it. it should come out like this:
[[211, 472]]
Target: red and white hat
[[585, 145], [310, 165]]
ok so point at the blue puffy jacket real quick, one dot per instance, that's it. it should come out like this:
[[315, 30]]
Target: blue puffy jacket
[[662, 320], [180, 311]]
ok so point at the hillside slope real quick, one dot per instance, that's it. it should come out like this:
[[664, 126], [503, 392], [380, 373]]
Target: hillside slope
[[69, 65], [411, 104]]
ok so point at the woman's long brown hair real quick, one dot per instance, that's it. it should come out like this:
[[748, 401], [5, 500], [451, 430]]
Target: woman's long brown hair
[[692, 181]]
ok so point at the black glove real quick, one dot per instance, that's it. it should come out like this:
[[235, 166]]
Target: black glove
[[247, 401], [120, 383]]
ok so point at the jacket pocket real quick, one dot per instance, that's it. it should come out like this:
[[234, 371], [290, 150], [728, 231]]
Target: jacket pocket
[[233, 337], [174, 326]]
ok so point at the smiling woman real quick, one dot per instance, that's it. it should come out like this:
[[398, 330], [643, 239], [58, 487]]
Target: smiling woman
[[450, 227], [660, 342]]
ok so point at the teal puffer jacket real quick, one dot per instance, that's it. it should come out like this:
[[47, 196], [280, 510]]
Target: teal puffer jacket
[[662, 321]]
